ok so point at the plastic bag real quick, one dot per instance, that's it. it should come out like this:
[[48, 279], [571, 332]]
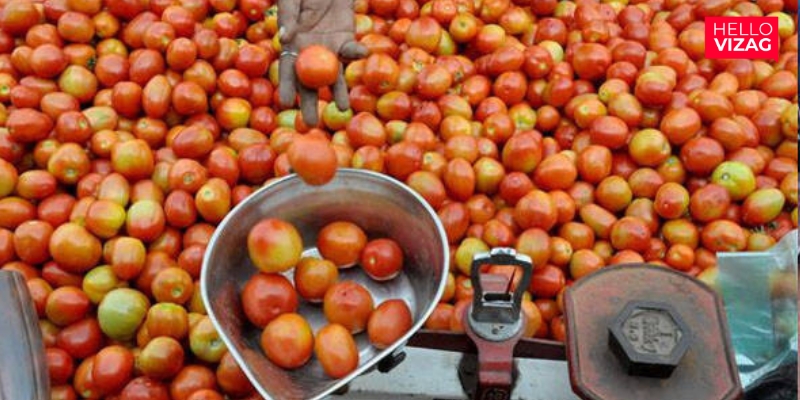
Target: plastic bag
[[760, 294]]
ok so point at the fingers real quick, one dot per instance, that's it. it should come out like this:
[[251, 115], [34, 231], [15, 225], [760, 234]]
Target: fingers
[[308, 105], [353, 50], [288, 14], [286, 81], [340, 94]]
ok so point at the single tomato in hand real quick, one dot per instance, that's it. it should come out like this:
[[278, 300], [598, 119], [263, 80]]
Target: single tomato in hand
[[382, 259], [316, 66]]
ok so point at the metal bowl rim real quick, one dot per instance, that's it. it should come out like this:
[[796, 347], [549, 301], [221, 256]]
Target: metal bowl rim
[[253, 198]]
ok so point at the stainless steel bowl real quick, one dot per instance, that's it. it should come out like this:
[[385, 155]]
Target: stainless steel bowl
[[383, 207]]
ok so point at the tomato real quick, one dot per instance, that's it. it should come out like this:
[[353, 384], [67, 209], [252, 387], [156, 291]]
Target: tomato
[[205, 342], [161, 358], [314, 160], [112, 369], [613, 193], [133, 159], [466, 251], [584, 262], [274, 245], [80, 339], [173, 285], [145, 220], [536, 210], [388, 323], [671, 201], [736, 177], [440, 317], [312, 278], [556, 172], [192, 379], [60, 365], [630, 233], [342, 243], [336, 350], [30, 241], [288, 341], [723, 235], [26, 125], [143, 387], [83, 382], [231, 379], [762, 206], [535, 243], [349, 304], [547, 281], [522, 152], [167, 319], [121, 312], [66, 305], [579, 235], [266, 296]]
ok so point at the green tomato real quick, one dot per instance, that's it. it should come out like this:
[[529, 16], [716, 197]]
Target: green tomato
[[466, 252], [98, 282], [205, 342], [286, 118], [736, 177], [121, 313]]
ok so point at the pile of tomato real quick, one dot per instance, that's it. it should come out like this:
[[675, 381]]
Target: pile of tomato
[[583, 133]]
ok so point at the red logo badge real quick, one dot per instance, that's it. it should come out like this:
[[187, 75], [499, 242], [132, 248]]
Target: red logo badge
[[742, 37]]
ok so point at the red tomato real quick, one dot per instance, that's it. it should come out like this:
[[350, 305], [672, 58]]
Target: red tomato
[[266, 296]]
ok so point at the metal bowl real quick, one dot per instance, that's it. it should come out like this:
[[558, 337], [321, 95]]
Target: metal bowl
[[383, 207]]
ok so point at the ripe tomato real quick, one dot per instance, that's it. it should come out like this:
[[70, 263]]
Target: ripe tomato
[[266, 296], [313, 277], [112, 368], [173, 285], [342, 243], [167, 319], [723, 235], [161, 358], [314, 160], [80, 339], [191, 379], [274, 245], [388, 323], [231, 379], [66, 305], [440, 317], [145, 388], [288, 341], [60, 365], [547, 281], [336, 350], [349, 304], [536, 210], [317, 66], [74, 248]]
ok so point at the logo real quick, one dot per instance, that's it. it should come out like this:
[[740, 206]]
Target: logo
[[742, 37]]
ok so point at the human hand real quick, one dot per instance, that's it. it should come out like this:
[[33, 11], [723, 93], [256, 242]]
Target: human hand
[[302, 23]]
